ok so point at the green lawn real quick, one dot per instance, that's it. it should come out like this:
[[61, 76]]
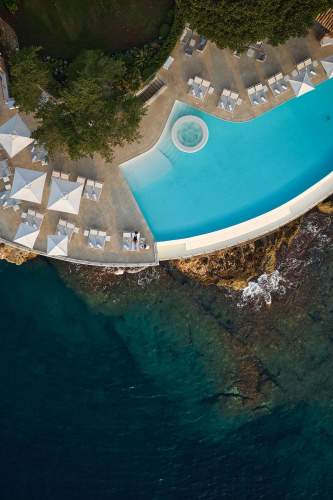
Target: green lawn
[[64, 27]]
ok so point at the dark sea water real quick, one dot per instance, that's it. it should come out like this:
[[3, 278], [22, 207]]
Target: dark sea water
[[123, 394]]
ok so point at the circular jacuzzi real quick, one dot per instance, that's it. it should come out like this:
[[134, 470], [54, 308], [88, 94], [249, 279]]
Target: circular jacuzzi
[[189, 134]]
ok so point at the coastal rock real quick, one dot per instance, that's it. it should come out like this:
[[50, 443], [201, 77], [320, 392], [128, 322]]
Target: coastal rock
[[326, 207], [15, 256], [235, 267]]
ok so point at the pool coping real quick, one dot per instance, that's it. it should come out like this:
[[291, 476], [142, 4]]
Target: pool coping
[[248, 230]]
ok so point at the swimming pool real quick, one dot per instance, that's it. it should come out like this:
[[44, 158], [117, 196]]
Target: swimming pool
[[245, 169]]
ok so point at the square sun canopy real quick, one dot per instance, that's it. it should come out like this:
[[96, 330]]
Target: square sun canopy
[[14, 135], [26, 234], [28, 185], [65, 196]]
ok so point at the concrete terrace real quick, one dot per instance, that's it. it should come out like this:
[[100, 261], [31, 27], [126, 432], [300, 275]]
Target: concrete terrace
[[117, 210], [224, 70]]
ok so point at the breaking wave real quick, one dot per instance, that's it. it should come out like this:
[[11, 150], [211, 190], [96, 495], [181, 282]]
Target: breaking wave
[[261, 291], [308, 248]]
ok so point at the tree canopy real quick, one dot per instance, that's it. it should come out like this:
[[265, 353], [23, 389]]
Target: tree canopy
[[29, 77], [11, 5], [237, 23], [90, 112]]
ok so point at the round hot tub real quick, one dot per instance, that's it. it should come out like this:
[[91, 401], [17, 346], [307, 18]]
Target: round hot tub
[[190, 134]]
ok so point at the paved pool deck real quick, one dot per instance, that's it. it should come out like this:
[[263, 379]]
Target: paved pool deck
[[117, 210]]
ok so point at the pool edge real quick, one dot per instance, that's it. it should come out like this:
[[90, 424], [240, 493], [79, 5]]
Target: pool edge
[[247, 230]]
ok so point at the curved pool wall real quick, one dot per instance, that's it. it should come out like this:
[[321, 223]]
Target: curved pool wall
[[250, 229], [246, 170]]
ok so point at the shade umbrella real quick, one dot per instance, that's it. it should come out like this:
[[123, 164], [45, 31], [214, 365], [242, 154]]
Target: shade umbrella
[[28, 185], [15, 135], [301, 84], [27, 234], [65, 196], [57, 244], [328, 66]]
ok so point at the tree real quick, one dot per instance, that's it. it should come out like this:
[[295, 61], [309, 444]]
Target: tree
[[29, 77], [94, 112], [11, 5], [237, 23]]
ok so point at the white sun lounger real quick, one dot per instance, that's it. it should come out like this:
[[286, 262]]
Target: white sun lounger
[[168, 63]]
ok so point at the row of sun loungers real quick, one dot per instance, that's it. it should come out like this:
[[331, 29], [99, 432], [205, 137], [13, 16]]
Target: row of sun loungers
[[60, 175], [96, 239], [277, 84], [229, 100], [133, 241], [32, 217], [7, 202], [93, 190], [307, 65], [199, 88], [67, 228], [192, 42], [258, 94]]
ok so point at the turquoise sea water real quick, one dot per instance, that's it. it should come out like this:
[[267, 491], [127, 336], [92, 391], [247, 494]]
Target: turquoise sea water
[[116, 399], [245, 169]]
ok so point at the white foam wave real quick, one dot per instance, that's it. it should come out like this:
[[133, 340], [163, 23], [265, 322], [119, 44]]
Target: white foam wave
[[260, 292]]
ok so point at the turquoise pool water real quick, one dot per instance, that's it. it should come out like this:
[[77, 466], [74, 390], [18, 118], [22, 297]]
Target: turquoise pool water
[[244, 170]]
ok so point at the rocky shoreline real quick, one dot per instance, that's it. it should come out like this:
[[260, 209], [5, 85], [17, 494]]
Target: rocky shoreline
[[15, 256]]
